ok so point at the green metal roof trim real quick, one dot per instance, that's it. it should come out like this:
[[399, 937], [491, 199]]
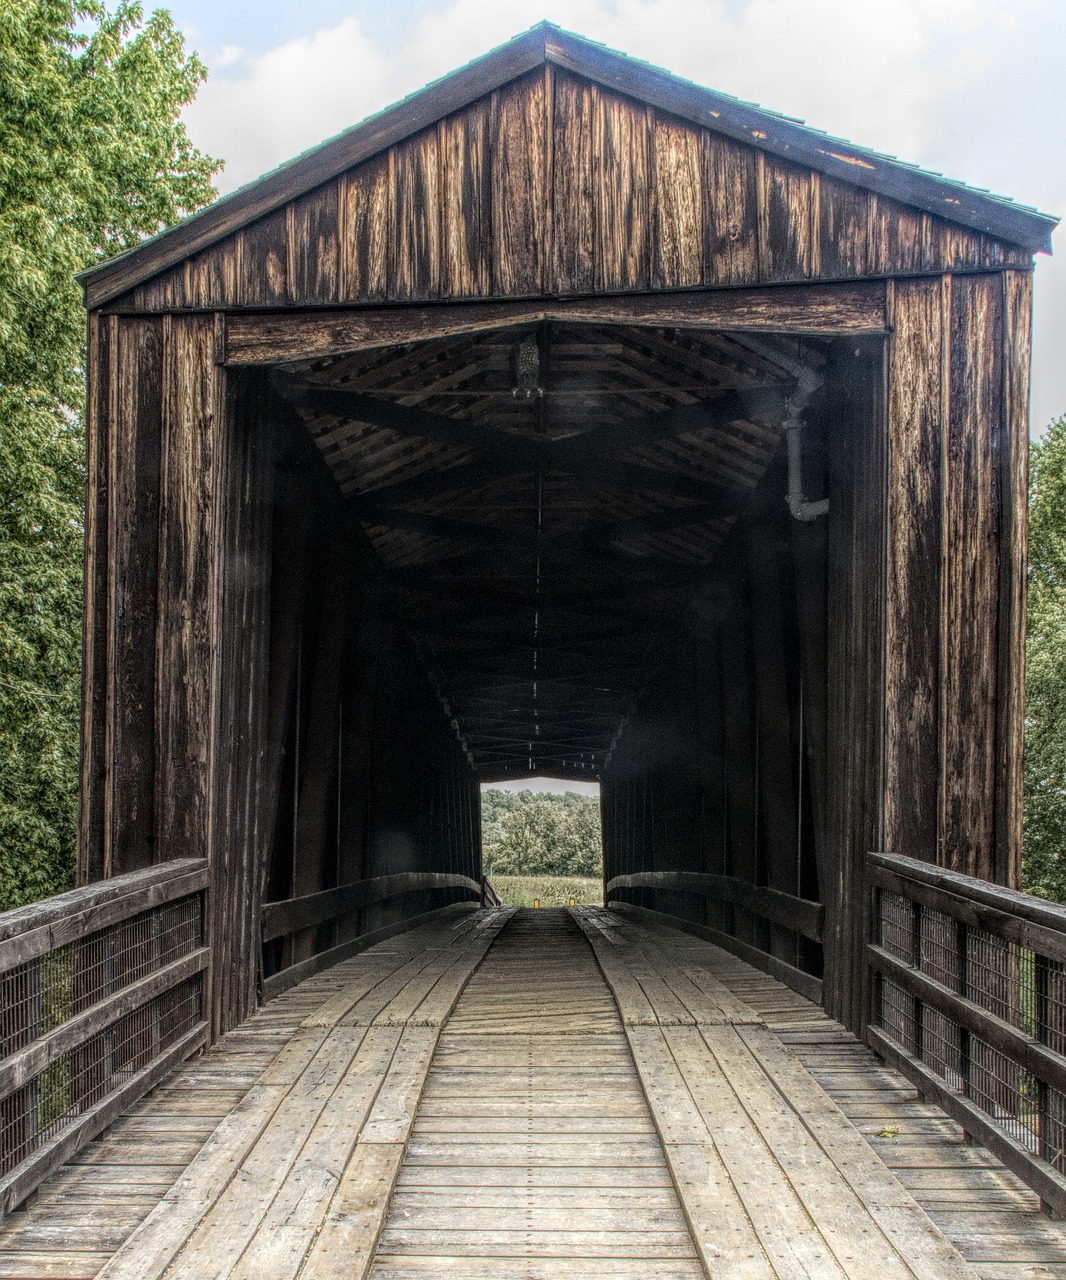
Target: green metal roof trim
[[783, 136]]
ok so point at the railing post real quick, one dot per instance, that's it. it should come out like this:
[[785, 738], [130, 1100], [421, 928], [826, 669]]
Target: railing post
[[877, 936], [1041, 968], [962, 961], [917, 1004]]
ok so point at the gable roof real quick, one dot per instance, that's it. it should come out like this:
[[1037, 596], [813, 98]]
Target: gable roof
[[778, 135]]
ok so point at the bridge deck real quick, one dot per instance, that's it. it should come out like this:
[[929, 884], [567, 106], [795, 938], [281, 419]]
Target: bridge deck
[[687, 1109]]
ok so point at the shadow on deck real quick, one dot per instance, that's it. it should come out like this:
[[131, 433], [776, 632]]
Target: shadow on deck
[[535, 1094]]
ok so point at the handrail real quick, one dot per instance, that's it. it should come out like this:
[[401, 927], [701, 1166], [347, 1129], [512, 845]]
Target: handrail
[[489, 896], [798, 914], [969, 1003], [290, 915], [101, 994]]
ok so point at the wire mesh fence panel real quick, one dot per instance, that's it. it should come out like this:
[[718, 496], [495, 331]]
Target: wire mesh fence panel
[[85, 1020], [970, 983]]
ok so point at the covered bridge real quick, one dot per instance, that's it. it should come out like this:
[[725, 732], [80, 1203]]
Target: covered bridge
[[566, 418]]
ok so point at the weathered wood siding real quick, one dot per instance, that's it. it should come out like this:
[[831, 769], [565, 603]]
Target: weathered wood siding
[[957, 482], [251, 693], [556, 185]]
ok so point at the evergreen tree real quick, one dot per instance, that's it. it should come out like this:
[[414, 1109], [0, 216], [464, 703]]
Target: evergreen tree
[[93, 157]]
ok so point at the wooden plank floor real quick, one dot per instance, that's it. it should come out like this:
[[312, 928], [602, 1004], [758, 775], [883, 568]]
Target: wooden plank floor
[[132, 1198], [990, 1216], [636, 1104], [533, 1151]]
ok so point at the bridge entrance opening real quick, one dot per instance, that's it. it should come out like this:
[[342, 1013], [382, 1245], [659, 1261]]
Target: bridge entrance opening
[[596, 551]]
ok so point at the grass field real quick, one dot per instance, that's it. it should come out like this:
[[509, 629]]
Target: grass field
[[552, 891]]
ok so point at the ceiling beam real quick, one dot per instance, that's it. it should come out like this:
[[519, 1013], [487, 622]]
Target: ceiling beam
[[523, 452]]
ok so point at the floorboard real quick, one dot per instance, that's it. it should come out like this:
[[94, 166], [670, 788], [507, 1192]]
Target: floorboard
[[583, 1094]]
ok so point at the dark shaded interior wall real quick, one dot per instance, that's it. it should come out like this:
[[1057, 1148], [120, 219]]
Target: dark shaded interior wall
[[774, 690], [369, 777], [715, 770]]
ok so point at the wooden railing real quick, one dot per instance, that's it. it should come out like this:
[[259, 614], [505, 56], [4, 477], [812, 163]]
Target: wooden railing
[[101, 994], [294, 916], [969, 1003], [489, 896], [800, 915]]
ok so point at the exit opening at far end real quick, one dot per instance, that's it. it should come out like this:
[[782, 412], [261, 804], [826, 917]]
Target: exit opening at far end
[[541, 842]]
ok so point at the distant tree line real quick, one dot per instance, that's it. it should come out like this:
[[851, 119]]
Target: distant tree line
[[525, 833]]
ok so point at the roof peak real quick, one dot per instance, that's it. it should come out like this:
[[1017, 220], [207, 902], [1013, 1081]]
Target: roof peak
[[548, 43]]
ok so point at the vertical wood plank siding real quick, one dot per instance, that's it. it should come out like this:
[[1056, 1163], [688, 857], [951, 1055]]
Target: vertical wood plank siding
[[958, 433], [554, 184], [1014, 542], [912, 677], [187, 620], [135, 467], [93, 772]]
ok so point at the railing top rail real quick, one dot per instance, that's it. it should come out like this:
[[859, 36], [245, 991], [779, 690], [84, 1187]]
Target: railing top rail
[[1010, 901], [289, 915], [786, 909], [136, 890]]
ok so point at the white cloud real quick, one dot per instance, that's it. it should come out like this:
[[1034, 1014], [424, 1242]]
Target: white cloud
[[969, 87]]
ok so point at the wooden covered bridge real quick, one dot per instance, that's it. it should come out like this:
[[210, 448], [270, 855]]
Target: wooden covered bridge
[[566, 419]]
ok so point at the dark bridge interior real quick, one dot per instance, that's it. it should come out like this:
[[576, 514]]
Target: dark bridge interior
[[563, 548], [547, 501]]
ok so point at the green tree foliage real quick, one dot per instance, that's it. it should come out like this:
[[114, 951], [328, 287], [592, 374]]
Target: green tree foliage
[[525, 833], [1044, 864], [93, 157]]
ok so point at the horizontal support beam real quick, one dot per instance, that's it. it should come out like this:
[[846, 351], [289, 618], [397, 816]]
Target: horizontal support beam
[[294, 914], [456, 642], [798, 914], [518, 454], [833, 310], [610, 470]]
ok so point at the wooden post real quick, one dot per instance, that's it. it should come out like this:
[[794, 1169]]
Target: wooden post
[[777, 789]]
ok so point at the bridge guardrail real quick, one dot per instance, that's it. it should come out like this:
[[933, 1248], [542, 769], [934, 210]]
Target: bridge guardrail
[[289, 917], [101, 994], [969, 1003], [799, 915]]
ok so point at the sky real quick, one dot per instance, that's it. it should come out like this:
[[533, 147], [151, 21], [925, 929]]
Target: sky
[[554, 785], [971, 88]]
